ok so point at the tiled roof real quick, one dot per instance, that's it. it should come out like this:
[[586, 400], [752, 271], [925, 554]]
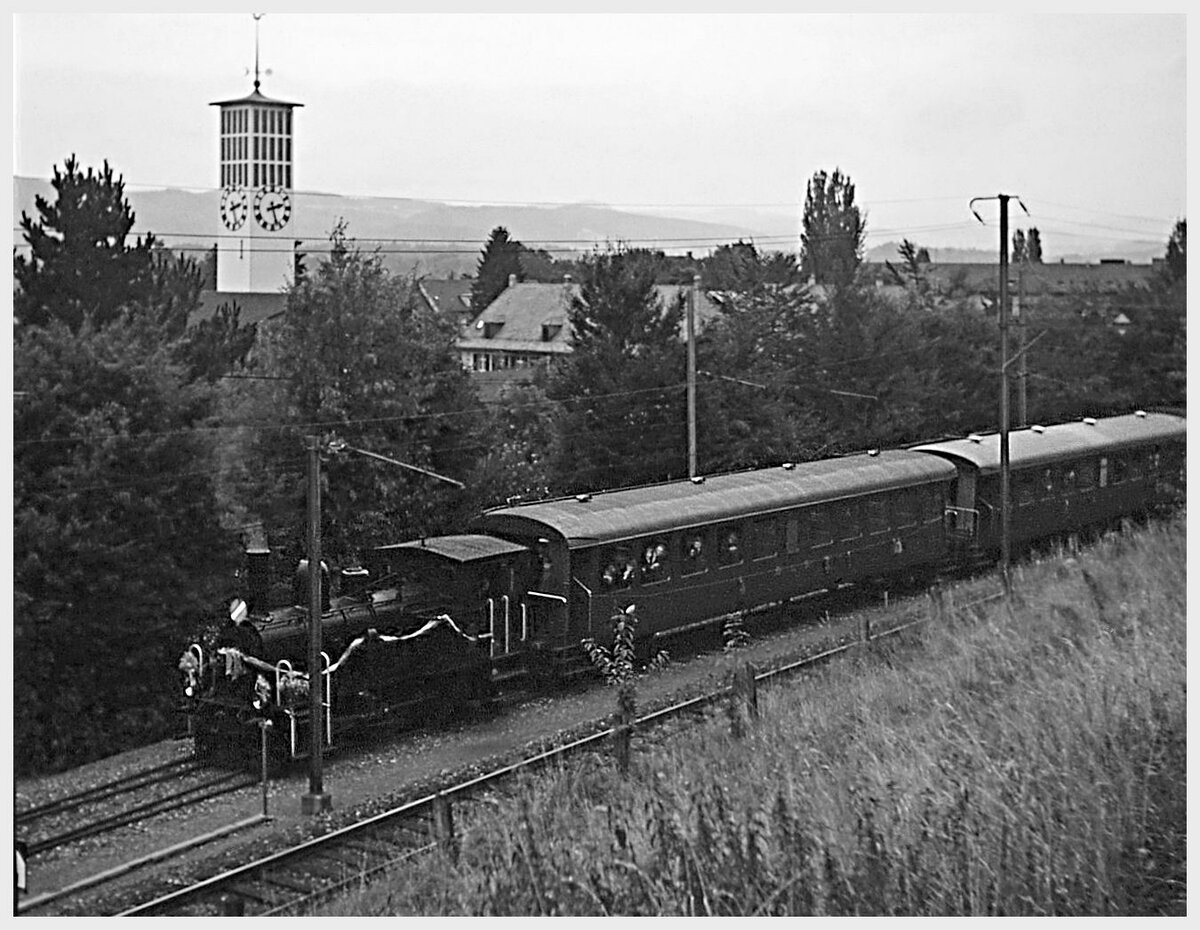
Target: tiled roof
[[252, 307], [447, 296], [518, 315], [1042, 278]]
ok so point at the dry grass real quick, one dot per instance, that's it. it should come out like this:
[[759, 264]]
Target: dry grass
[[1019, 758]]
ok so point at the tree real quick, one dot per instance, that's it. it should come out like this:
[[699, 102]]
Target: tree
[[1020, 250], [500, 259], [831, 244], [117, 546], [79, 263], [623, 418], [1034, 246], [117, 549], [358, 356], [740, 268], [1176, 257]]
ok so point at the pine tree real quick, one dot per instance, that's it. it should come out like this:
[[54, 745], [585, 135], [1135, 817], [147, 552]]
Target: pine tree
[[117, 546], [500, 259], [80, 264], [623, 417], [831, 244], [1034, 246], [1020, 250]]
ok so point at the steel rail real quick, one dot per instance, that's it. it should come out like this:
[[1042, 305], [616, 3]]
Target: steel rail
[[248, 871], [150, 808], [108, 790]]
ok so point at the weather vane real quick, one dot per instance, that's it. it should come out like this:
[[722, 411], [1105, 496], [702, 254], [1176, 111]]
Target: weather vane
[[257, 17]]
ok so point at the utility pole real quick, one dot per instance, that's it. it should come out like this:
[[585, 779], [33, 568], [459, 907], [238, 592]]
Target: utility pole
[[1022, 371], [691, 375], [1005, 493], [317, 800]]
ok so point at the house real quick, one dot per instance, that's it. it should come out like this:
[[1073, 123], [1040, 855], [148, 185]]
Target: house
[[451, 297], [253, 306], [528, 326]]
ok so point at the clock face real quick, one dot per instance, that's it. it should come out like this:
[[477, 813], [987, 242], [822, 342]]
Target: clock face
[[234, 206], [272, 208]]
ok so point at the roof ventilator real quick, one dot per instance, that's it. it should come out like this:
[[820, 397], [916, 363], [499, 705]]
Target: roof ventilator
[[975, 437], [788, 466], [1140, 413], [872, 452], [583, 498], [1036, 428], [1090, 421], [699, 479]]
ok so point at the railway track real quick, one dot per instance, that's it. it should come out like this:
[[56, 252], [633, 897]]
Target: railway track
[[138, 795], [294, 880]]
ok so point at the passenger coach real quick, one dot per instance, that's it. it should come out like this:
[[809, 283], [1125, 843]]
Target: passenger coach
[[1062, 478], [688, 552]]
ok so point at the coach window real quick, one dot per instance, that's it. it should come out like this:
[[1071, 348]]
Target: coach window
[[1117, 471], [1048, 483], [729, 545], [693, 552], [904, 509], [655, 561], [1027, 488], [619, 570], [766, 539], [1085, 476], [877, 520], [848, 525], [1104, 471], [1137, 466], [820, 526], [792, 533]]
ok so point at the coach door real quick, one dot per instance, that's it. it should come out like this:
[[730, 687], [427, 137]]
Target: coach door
[[963, 517]]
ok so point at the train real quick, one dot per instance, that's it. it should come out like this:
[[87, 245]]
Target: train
[[432, 624]]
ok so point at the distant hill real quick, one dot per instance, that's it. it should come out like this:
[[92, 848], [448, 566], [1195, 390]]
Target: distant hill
[[442, 239], [438, 238]]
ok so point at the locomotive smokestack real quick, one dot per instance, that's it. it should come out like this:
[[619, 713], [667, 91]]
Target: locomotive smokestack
[[258, 578]]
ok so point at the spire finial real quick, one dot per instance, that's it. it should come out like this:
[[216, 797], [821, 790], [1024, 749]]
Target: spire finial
[[257, 17]]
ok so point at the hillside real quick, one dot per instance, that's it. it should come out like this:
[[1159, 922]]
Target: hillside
[[440, 237], [445, 238]]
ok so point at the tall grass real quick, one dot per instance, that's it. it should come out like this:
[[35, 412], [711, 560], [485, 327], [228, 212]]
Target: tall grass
[[1019, 758]]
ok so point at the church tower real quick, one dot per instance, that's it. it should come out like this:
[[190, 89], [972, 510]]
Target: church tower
[[256, 252]]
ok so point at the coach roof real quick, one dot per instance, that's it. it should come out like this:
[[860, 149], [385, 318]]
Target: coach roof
[[462, 549], [1040, 445], [610, 516]]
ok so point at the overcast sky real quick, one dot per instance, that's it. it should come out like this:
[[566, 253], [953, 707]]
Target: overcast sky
[[1082, 116]]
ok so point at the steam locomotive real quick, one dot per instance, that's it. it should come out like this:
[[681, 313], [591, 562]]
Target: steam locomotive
[[429, 624]]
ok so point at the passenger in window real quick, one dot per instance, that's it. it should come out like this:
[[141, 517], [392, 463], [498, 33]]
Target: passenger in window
[[609, 576], [731, 547], [695, 549], [652, 560]]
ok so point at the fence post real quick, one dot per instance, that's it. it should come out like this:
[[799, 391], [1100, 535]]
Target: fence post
[[443, 826], [743, 699], [623, 732]]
